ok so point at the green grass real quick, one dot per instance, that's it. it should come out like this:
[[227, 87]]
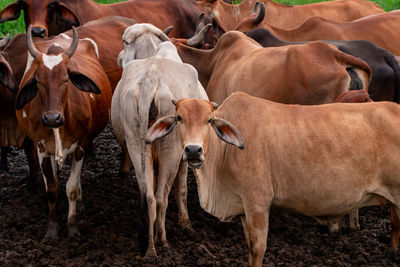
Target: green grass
[[14, 27]]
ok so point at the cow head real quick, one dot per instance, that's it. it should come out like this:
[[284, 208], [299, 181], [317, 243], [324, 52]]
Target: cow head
[[49, 77], [194, 119], [41, 14], [141, 41], [253, 20]]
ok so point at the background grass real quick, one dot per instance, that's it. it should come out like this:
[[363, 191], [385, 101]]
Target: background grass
[[18, 26]]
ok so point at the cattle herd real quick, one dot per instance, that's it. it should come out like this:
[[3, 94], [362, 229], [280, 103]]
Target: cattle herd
[[242, 94]]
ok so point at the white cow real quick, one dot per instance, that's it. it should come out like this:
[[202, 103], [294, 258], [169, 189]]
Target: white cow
[[145, 93]]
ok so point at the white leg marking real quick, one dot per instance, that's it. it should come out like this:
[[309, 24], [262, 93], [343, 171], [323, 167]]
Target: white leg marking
[[59, 148], [73, 186]]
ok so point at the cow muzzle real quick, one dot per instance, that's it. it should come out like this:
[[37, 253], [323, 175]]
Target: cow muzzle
[[194, 155], [38, 32], [52, 120]]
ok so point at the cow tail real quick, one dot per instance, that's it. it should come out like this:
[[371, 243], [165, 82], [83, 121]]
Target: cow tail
[[358, 70], [394, 64], [146, 99]]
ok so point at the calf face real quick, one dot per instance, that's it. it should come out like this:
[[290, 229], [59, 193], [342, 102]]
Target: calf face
[[48, 76], [41, 14], [194, 119]]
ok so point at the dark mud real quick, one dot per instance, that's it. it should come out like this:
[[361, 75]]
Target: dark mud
[[108, 225]]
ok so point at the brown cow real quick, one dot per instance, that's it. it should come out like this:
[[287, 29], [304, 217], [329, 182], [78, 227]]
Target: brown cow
[[12, 65], [313, 73], [51, 17], [106, 33], [287, 17], [314, 160], [382, 30], [63, 103]]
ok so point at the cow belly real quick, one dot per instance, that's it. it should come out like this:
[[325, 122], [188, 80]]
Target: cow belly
[[328, 210]]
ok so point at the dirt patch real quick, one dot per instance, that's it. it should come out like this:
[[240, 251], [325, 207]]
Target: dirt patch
[[108, 225]]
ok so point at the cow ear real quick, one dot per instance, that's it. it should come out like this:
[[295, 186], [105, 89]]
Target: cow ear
[[83, 83], [160, 128], [7, 77], [66, 15], [227, 132], [11, 12], [27, 93]]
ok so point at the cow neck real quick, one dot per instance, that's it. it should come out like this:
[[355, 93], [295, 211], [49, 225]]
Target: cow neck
[[202, 60], [16, 54], [212, 186]]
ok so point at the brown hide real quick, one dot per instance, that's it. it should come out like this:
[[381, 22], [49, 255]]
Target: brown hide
[[107, 32], [313, 73], [382, 30], [15, 55], [288, 17], [183, 15], [85, 114], [355, 96]]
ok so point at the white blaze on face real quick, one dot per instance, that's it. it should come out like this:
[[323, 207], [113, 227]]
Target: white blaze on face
[[23, 114], [59, 157], [91, 96], [51, 61]]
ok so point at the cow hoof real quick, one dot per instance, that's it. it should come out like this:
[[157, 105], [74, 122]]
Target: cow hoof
[[150, 254], [52, 231], [73, 230]]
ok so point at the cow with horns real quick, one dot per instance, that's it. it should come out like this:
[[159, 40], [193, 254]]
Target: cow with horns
[[63, 103]]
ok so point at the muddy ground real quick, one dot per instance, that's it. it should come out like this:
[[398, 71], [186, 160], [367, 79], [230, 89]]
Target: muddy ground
[[109, 227]]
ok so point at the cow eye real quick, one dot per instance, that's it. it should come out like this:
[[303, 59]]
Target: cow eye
[[210, 120], [178, 118], [126, 43]]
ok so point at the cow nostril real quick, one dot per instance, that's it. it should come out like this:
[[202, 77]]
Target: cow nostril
[[58, 118], [200, 150], [38, 32], [187, 149]]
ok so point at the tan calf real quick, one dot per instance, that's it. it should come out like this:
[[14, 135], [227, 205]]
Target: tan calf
[[314, 160]]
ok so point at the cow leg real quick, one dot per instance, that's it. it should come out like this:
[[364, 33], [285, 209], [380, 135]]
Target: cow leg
[[247, 238], [353, 220], [257, 228], [49, 170], [125, 163], [32, 157], [148, 202], [74, 191], [164, 180], [3, 160], [180, 192]]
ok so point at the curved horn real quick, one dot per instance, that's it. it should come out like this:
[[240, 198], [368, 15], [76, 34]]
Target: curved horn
[[31, 46], [163, 37], [4, 41], [74, 45], [199, 38], [260, 15], [255, 10], [201, 23], [168, 30]]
